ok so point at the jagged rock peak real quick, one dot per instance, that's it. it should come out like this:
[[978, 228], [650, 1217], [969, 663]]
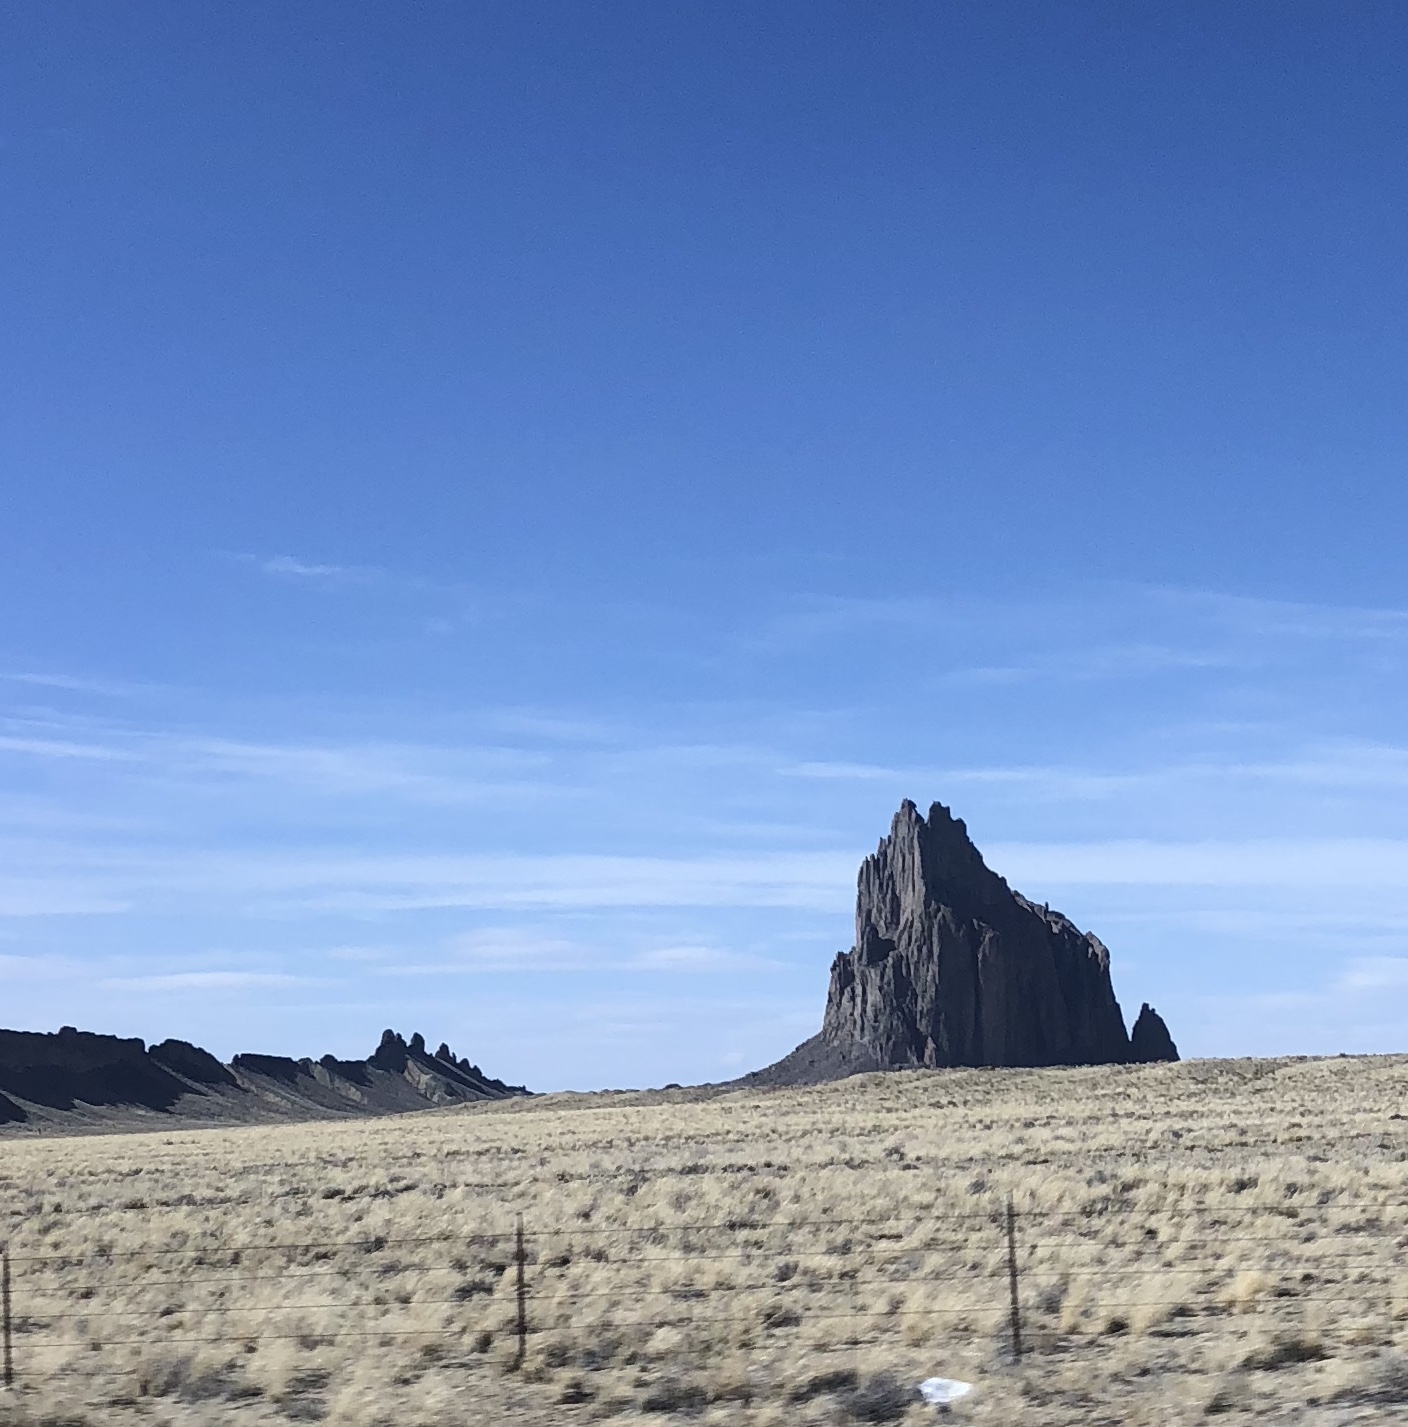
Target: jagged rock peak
[[1150, 1040], [952, 967]]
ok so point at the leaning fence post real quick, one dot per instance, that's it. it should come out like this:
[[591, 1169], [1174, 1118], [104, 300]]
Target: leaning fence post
[[5, 1315], [1012, 1280], [521, 1258]]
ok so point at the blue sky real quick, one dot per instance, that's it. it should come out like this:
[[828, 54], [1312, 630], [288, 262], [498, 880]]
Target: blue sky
[[498, 503]]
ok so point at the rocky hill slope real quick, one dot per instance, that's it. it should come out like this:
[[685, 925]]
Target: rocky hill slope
[[951, 967], [76, 1080]]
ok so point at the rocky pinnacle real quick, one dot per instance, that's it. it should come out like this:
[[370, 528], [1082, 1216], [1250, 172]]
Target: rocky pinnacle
[[951, 967]]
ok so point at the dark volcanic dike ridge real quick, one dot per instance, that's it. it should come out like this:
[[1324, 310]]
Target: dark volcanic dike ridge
[[76, 1079]]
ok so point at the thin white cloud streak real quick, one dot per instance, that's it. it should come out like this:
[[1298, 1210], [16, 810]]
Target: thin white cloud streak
[[819, 882], [417, 772], [1374, 973], [704, 960], [843, 772], [1359, 1009], [60, 748], [1345, 765], [205, 981], [1290, 920], [357, 883], [1103, 662], [42, 968], [1084, 639], [291, 566], [72, 685], [1265, 618], [522, 950], [1302, 865], [421, 772], [41, 895]]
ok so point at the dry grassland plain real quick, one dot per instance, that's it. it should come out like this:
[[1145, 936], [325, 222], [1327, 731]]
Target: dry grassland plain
[[1212, 1240]]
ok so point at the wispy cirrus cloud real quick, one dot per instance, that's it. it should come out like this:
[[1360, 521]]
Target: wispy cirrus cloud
[[1282, 619], [67, 683], [411, 771], [522, 949], [115, 879], [421, 771], [1259, 862], [206, 981], [293, 567], [530, 950], [64, 748], [1374, 973], [705, 960], [1101, 634]]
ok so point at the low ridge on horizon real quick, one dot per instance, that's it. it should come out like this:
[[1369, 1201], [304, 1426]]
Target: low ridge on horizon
[[951, 967], [81, 1079]]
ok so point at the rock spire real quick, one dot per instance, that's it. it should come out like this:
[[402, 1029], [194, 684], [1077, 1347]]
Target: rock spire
[[1150, 1040], [951, 967]]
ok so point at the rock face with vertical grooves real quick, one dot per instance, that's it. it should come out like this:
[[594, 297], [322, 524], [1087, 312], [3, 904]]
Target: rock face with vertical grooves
[[951, 967]]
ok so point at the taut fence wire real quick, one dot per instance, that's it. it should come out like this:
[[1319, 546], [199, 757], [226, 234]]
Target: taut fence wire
[[1015, 1278]]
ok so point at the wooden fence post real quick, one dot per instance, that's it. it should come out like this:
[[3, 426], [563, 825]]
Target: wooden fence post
[[5, 1315], [1012, 1280], [521, 1258]]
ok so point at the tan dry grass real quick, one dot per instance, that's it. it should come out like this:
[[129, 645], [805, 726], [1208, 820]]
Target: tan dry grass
[[1216, 1237]]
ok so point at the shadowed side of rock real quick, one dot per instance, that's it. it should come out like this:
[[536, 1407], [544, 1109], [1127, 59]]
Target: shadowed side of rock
[[71, 1067]]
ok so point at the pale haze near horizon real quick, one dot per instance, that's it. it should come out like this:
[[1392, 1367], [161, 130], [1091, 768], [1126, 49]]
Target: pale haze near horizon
[[502, 502]]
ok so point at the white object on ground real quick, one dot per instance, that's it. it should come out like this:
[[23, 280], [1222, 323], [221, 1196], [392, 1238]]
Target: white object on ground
[[940, 1391]]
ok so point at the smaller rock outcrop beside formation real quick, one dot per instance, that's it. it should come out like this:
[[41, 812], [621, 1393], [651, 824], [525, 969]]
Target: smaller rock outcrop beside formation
[[951, 967], [75, 1079], [1150, 1040], [396, 1076], [442, 1077]]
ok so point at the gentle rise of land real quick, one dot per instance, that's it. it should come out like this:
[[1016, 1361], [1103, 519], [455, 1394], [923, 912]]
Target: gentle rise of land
[[1209, 1239]]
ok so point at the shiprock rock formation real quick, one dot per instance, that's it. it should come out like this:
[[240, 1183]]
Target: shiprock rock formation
[[951, 967], [76, 1079]]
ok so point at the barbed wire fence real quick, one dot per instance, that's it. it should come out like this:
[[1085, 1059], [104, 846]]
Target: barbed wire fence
[[1000, 1264]]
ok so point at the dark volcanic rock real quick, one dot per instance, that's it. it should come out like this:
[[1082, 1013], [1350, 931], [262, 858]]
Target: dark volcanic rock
[[1150, 1040], [71, 1067], [952, 967], [273, 1067], [393, 1054], [442, 1077], [358, 1072], [191, 1062], [80, 1076]]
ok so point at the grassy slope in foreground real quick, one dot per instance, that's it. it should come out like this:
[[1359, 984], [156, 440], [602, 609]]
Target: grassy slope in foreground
[[1218, 1235]]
